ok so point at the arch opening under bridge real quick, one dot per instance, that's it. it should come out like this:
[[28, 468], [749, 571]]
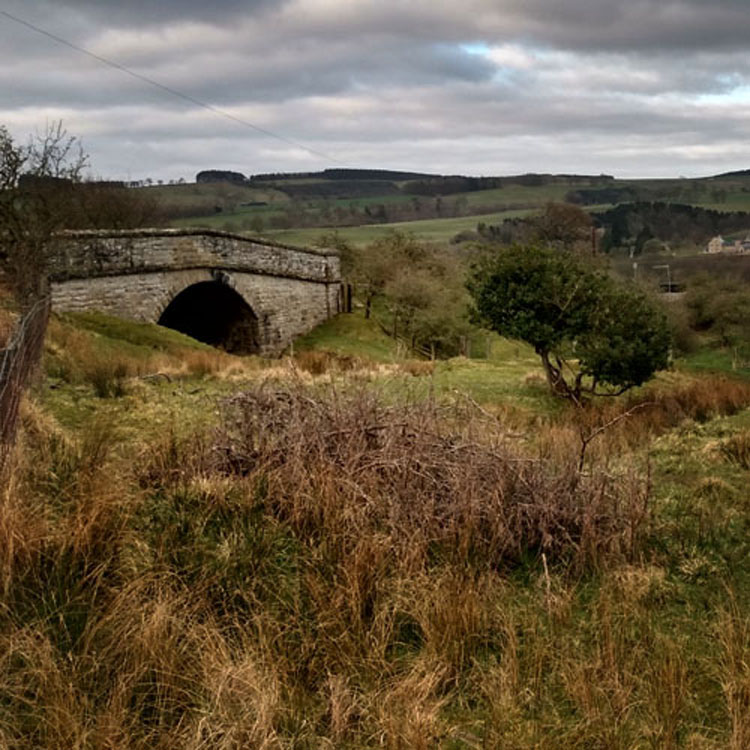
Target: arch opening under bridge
[[214, 313]]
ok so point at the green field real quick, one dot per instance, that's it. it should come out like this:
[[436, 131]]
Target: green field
[[211, 194], [429, 230]]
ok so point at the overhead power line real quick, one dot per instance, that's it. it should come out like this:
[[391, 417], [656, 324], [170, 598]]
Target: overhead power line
[[169, 89]]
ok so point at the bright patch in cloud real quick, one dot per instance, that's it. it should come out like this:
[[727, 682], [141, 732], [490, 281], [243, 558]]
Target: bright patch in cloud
[[512, 56]]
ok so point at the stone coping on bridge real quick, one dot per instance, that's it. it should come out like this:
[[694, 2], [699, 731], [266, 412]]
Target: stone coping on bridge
[[191, 232], [96, 253]]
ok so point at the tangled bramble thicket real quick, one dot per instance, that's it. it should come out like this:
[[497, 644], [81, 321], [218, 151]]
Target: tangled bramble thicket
[[349, 464]]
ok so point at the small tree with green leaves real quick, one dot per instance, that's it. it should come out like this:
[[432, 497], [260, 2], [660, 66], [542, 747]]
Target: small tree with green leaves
[[593, 335], [380, 264]]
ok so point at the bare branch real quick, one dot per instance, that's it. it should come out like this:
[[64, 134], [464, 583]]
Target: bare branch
[[586, 439]]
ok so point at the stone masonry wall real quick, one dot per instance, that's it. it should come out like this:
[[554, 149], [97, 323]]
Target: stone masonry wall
[[137, 274], [87, 254]]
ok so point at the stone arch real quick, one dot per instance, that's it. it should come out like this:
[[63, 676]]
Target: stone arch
[[214, 312]]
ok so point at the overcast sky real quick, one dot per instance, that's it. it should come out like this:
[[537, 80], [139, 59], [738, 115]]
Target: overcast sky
[[628, 87]]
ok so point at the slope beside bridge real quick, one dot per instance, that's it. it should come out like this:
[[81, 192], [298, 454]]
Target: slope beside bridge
[[246, 295]]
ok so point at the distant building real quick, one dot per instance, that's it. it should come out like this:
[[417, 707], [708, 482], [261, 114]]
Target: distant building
[[728, 247]]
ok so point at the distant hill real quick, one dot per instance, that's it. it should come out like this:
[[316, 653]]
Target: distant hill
[[737, 173], [368, 183], [339, 198], [338, 188], [340, 174], [452, 184]]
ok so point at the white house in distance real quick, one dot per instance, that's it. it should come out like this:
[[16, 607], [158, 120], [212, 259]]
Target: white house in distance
[[729, 247]]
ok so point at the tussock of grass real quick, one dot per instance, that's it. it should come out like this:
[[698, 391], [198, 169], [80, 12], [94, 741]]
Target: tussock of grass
[[737, 449], [733, 634], [418, 368], [319, 362]]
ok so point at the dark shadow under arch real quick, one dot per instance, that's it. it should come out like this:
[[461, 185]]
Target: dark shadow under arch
[[214, 313]]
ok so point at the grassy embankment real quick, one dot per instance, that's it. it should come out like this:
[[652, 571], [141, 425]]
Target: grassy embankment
[[358, 550]]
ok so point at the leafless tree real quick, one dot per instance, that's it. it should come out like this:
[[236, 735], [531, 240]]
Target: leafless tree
[[35, 188], [34, 197]]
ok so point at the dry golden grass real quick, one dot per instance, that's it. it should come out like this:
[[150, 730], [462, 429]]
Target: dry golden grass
[[331, 569], [606, 429], [736, 449], [418, 368], [733, 635], [8, 315], [320, 362]]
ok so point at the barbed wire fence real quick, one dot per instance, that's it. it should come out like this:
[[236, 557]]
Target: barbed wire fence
[[18, 362]]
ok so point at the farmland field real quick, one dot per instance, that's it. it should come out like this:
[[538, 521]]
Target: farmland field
[[429, 230]]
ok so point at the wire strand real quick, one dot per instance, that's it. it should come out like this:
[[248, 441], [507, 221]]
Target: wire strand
[[170, 90]]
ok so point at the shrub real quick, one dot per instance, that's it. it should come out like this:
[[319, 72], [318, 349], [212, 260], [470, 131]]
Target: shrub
[[569, 311], [343, 467]]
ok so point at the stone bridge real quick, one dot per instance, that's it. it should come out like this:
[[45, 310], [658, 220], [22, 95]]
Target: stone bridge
[[246, 295]]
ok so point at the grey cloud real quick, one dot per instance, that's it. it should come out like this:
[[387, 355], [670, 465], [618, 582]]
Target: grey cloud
[[139, 13], [435, 134], [645, 25], [251, 70], [364, 79], [636, 75]]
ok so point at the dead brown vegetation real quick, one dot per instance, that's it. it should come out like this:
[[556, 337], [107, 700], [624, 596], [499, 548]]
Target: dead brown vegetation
[[320, 361], [334, 568], [348, 465], [607, 430]]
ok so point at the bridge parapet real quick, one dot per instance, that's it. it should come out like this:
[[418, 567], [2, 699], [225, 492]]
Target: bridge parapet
[[90, 254]]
